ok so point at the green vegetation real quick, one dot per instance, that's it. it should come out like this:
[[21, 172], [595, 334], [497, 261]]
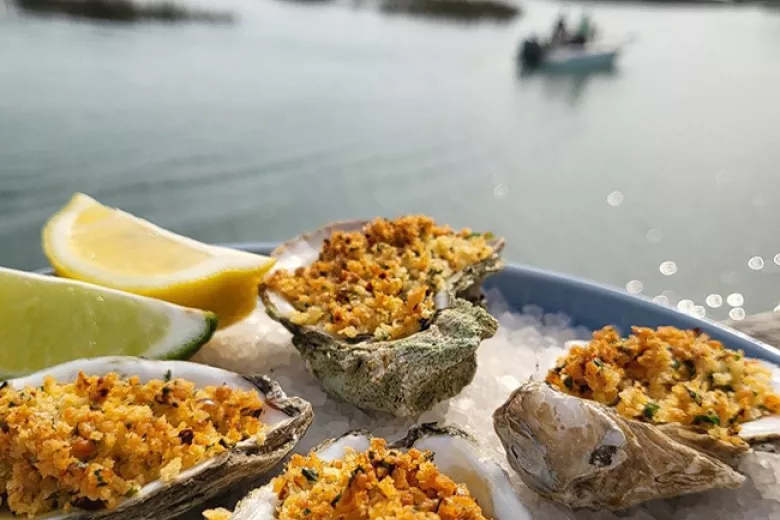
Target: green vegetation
[[123, 11], [462, 10]]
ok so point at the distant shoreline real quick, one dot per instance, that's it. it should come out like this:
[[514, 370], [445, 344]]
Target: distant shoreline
[[176, 11], [465, 10], [124, 11]]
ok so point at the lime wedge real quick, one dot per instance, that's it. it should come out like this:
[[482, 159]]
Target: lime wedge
[[45, 321]]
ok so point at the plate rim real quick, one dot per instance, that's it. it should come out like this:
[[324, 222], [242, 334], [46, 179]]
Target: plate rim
[[733, 338]]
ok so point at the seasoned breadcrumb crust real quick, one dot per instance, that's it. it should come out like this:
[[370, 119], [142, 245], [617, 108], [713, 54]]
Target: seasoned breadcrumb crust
[[669, 375], [91, 443], [381, 281], [378, 484]]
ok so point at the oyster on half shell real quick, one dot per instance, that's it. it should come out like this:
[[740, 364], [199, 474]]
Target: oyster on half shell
[[406, 376], [287, 419], [584, 455], [455, 454]]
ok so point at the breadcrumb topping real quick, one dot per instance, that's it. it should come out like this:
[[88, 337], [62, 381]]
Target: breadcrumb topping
[[94, 442], [379, 282], [378, 484], [669, 375]]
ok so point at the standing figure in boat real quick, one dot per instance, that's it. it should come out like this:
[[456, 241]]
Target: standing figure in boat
[[560, 35], [584, 32]]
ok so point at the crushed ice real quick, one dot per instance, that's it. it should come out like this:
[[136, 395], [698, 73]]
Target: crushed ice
[[532, 340]]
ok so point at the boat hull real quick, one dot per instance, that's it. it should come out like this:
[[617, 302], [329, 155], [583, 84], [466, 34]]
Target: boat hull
[[579, 61]]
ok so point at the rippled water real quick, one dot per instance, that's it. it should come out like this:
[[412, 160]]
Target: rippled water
[[659, 178]]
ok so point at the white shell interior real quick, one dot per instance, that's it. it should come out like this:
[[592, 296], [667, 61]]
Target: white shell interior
[[455, 456], [303, 251], [147, 370], [458, 458], [766, 427], [259, 504], [575, 343]]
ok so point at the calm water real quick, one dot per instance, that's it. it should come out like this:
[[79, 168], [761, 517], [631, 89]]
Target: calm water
[[303, 114]]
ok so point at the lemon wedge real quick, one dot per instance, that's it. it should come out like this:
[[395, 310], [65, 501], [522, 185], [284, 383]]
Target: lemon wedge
[[45, 321], [91, 242]]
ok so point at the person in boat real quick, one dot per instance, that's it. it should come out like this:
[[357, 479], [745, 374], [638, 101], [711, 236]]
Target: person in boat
[[560, 34], [584, 31]]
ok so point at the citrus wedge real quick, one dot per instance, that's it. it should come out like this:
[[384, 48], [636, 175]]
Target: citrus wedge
[[45, 321], [94, 243]]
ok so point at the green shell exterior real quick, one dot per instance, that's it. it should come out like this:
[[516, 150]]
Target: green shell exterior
[[407, 376], [403, 377]]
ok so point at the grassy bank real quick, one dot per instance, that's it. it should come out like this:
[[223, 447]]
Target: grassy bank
[[465, 10], [123, 11]]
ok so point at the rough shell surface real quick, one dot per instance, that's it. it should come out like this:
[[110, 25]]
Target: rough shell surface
[[288, 419], [404, 377], [455, 453], [585, 455]]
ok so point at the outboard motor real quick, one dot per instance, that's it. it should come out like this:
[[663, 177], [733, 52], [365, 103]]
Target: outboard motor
[[531, 53]]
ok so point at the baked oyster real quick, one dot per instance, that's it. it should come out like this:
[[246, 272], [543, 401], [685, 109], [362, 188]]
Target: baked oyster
[[433, 471], [386, 313], [622, 421], [123, 437]]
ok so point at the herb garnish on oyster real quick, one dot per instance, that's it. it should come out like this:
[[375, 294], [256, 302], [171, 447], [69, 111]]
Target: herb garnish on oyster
[[123, 437], [433, 473], [670, 375], [383, 311]]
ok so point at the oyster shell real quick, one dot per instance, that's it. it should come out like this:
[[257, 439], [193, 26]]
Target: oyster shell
[[761, 434], [404, 377], [584, 454], [764, 433], [455, 454], [288, 419]]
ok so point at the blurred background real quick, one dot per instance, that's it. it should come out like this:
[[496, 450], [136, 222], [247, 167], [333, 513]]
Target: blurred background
[[244, 120]]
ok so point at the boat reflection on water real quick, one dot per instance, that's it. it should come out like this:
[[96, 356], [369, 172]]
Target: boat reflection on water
[[569, 85]]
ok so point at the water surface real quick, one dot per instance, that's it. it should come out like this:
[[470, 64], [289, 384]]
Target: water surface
[[302, 114]]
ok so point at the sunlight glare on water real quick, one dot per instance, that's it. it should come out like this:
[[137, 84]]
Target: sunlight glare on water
[[302, 114]]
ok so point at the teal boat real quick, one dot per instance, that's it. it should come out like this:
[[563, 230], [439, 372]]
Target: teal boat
[[569, 58], [580, 59]]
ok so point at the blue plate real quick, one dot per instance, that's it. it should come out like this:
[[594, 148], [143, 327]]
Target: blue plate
[[592, 305]]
